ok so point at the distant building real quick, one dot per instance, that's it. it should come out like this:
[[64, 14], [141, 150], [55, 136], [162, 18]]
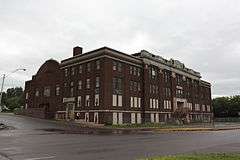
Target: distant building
[[105, 86]]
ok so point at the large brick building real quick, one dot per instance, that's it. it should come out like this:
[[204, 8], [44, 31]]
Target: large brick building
[[106, 86]]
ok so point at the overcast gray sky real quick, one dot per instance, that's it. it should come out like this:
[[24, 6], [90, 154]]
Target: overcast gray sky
[[204, 34]]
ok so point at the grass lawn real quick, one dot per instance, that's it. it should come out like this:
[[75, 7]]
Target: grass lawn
[[219, 156]]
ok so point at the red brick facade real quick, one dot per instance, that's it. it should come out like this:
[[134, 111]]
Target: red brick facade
[[106, 86]]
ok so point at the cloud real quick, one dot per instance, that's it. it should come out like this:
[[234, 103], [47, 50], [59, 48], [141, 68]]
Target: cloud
[[203, 34]]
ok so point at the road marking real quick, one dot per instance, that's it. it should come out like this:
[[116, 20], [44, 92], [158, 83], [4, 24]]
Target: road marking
[[39, 158]]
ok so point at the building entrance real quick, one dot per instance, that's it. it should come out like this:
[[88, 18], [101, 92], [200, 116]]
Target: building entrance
[[70, 115]]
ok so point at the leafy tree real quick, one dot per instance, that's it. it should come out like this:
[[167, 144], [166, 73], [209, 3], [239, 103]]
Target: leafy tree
[[226, 106], [13, 98]]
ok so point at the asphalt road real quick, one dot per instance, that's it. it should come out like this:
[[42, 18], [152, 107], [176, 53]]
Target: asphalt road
[[35, 139]]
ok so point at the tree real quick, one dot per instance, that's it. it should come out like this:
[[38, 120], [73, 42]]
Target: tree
[[226, 106], [13, 98]]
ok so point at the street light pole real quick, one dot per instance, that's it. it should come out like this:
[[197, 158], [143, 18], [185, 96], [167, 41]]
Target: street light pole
[[3, 80]]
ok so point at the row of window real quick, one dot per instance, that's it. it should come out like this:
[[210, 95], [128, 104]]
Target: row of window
[[135, 71], [135, 102], [73, 70], [88, 100], [135, 86], [153, 89], [46, 92]]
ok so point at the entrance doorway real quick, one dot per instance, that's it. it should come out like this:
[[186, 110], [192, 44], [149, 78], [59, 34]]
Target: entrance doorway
[[70, 115], [180, 105]]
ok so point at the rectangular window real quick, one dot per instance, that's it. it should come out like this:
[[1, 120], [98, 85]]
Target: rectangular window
[[98, 64], [134, 71], [138, 72], [150, 102], [135, 102], [37, 93], [114, 65], [96, 103], [203, 108], [119, 100], [71, 92], [79, 101], [131, 70], [139, 87], [27, 95], [88, 84], [89, 67], [156, 103], [46, 92], [139, 102], [119, 67], [114, 100], [66, 72], [57, 90], [72, 71], [97, 82], [117, 85], [87, 100], [131, 102], [131, 85], [197, 107], [80, 69], [79, 85]]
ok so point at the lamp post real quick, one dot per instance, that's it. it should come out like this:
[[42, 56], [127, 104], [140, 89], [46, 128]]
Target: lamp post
[[3, 80]]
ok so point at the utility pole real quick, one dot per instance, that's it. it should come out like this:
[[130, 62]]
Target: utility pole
[[3, 79]]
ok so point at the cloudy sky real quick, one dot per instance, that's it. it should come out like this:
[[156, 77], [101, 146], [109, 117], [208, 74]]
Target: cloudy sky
[[204, 34]]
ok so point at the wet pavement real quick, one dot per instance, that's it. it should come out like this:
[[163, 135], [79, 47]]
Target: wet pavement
[[35, 139]]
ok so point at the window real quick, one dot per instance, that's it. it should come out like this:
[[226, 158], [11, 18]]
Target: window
[[119, 67], [98, 64], [27, 96], [203, 108], [79, 101], [114, 100], [131, 85], [131, 102], [138, 72], [80, 69], [135, 102], [139, 102], [71, 92], [72, 84], [46, 92], [139, 87], [153, 72], [135, 86], [189, 106], [65, 84], [179, 79], [88, 84], [37, 93], [197, 107], [134, 71], [117, 85], [57, 90], [66, 72], [87, 100], [167, 104], [79, 84], [167, 76], [72, 71], [117, 100], [131, 69], [89, 67], [208, 108], [96, 103], [97, 82], [114, 65], [167, 92]]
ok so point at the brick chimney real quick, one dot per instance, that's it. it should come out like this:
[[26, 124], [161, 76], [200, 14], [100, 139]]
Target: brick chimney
[[77, 51]]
